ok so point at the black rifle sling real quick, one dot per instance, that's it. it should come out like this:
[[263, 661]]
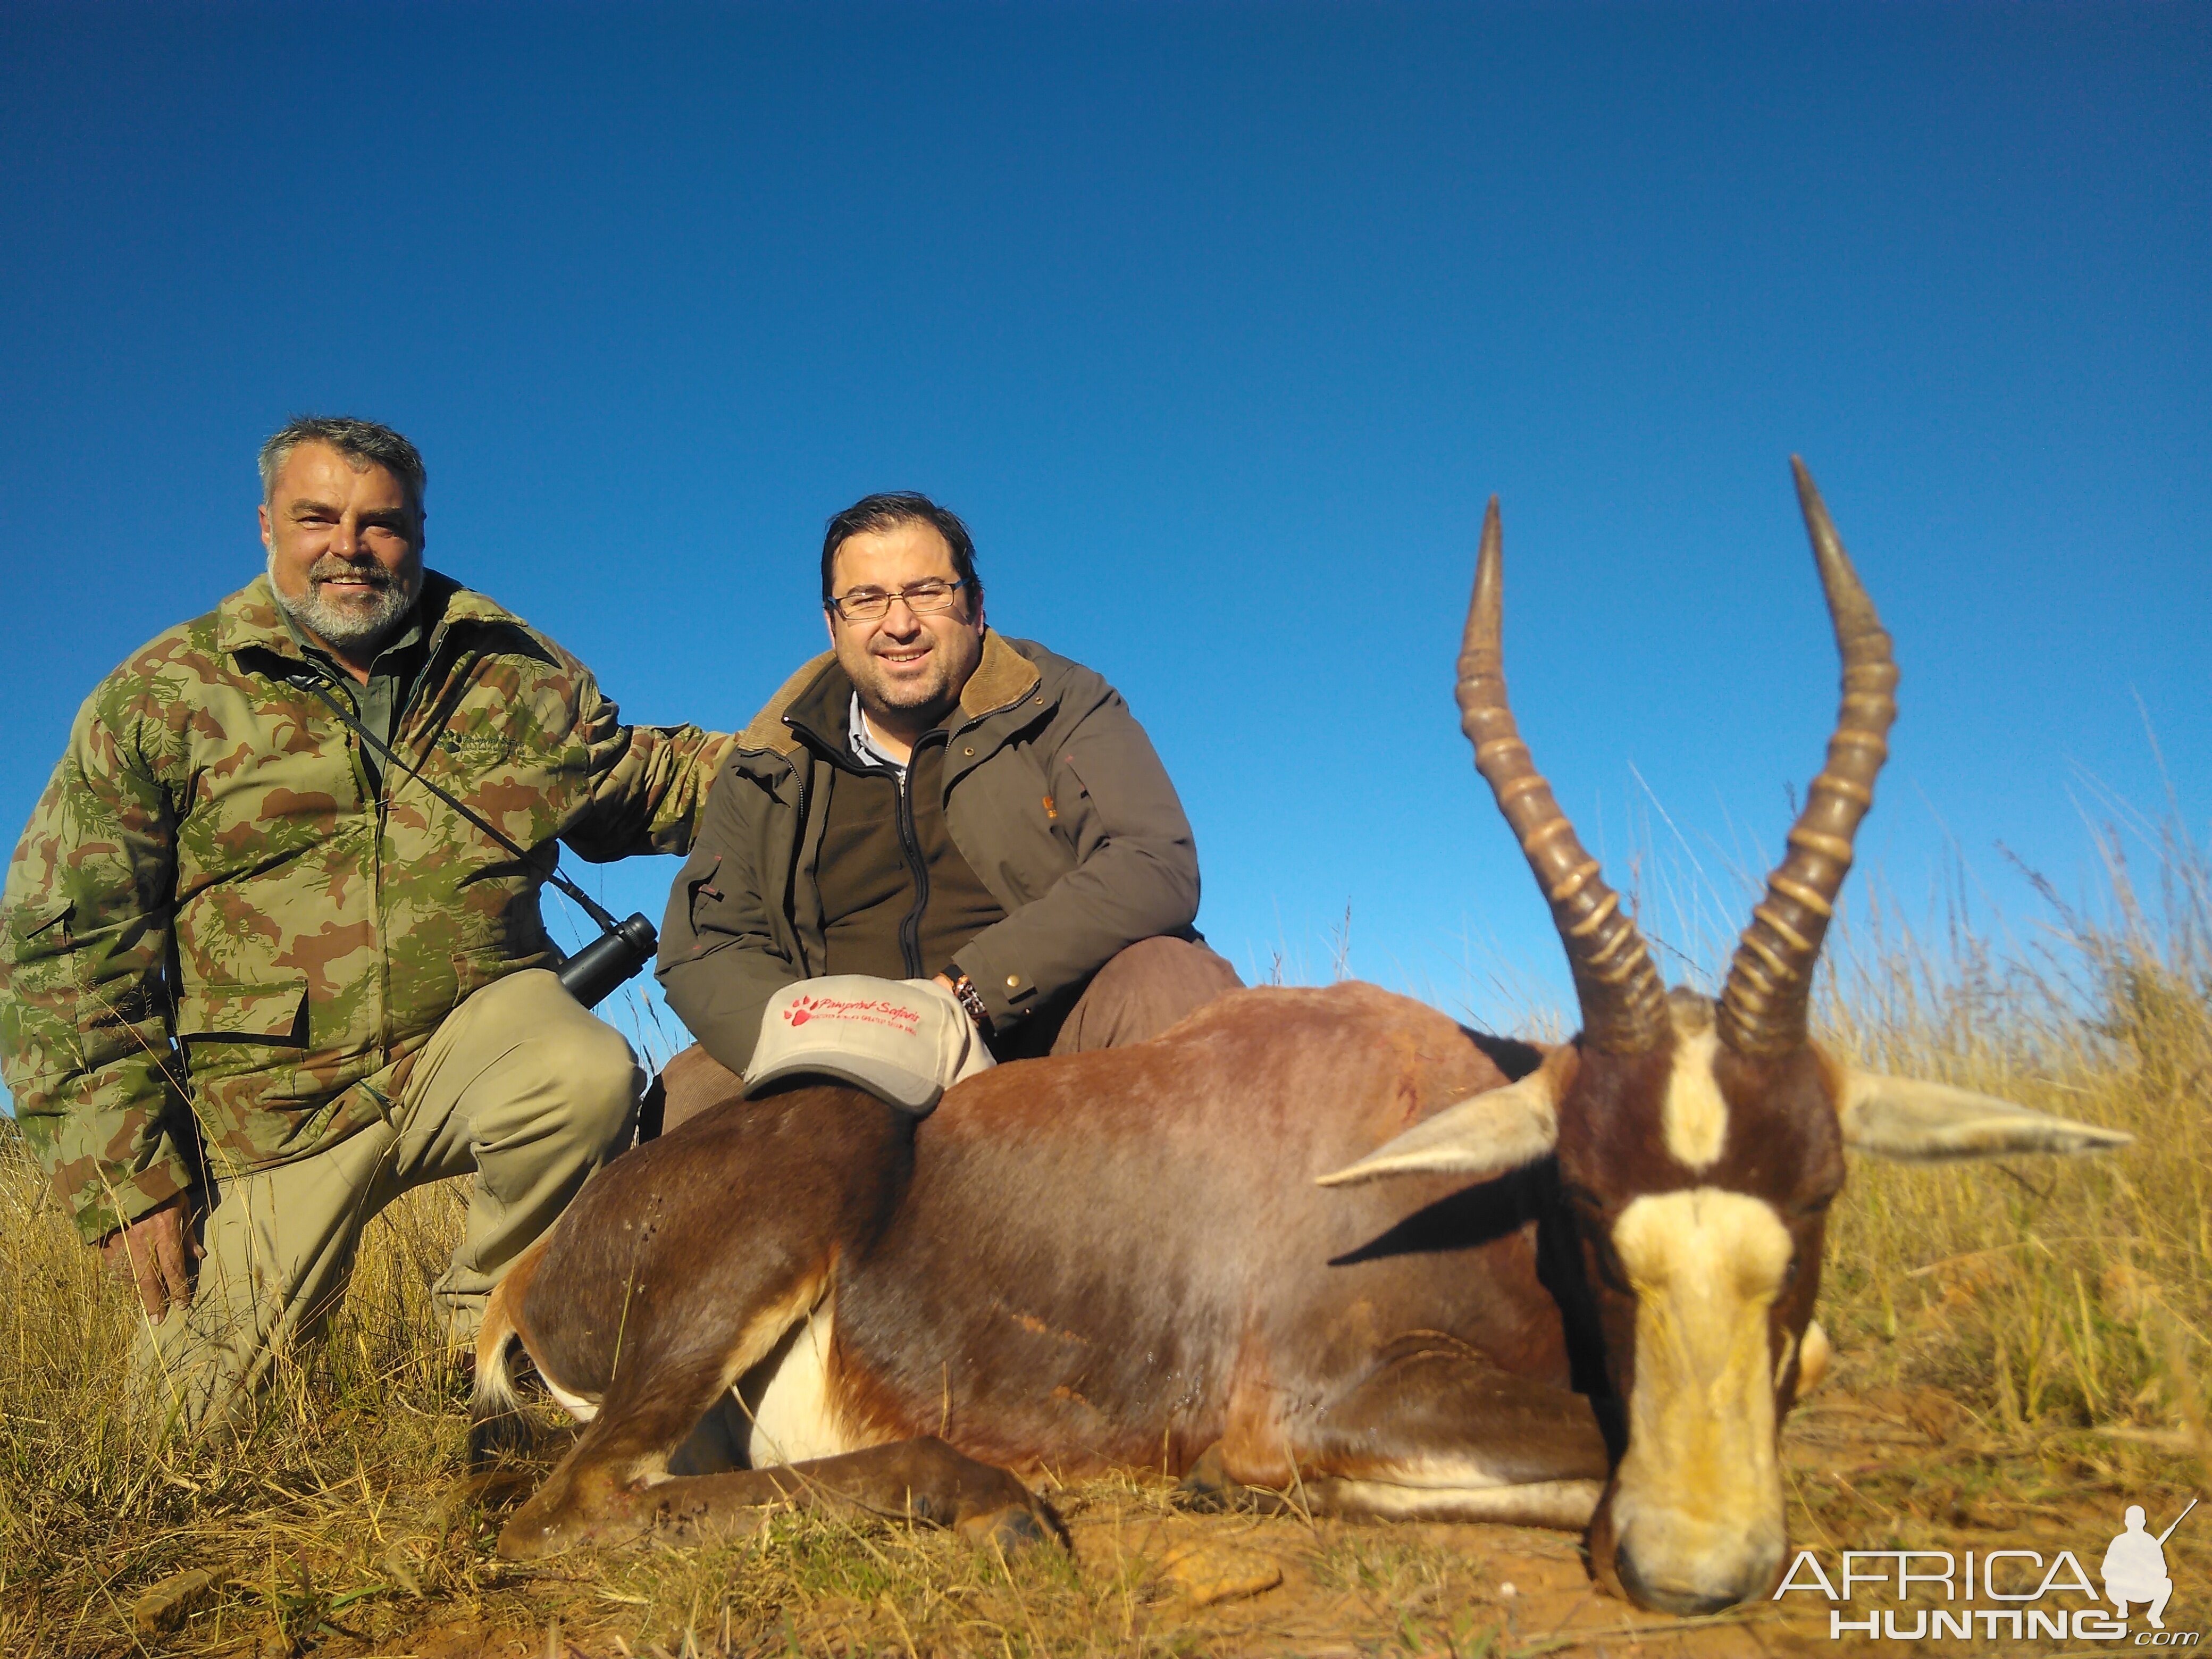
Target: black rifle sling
[[312, 682]]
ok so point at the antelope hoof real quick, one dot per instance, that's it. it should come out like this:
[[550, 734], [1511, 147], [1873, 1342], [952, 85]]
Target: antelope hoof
[[523, 1541], [525, 1538], [536, 1532], [1208, 1489], [532, 1537], [1011, 1530]]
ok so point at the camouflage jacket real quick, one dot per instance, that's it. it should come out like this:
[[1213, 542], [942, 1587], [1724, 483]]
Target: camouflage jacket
[[218, 942]]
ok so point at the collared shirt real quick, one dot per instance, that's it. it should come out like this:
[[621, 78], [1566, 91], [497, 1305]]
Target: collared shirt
[[898, 898], [379, 704], [865, 750]]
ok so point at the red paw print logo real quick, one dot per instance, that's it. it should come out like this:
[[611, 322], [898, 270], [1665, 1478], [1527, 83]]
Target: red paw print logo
[[801, 1010]]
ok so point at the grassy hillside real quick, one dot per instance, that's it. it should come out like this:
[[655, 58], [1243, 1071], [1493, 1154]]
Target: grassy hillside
[[2037, 1332]]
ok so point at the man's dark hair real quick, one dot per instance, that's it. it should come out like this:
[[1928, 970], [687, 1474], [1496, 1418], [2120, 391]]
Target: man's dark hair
[[873, 514], [360, 442]]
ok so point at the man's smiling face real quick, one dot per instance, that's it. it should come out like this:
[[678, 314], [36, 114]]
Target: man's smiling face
[[345, 550], [909, 670]]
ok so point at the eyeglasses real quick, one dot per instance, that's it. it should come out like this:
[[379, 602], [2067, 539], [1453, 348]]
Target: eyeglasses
[[924, 598]]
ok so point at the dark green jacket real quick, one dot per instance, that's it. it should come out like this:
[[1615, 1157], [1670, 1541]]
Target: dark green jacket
[[1052, 792], [219, 938]]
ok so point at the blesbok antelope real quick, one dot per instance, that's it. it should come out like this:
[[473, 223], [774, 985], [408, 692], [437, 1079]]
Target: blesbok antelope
[[1326, 1239]]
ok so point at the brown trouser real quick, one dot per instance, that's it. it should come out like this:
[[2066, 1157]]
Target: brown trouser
[[1142, 991], [520, 1086]]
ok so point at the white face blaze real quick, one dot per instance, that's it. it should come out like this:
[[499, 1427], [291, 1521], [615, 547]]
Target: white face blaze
[[1697, 1506], [1694, 1118]]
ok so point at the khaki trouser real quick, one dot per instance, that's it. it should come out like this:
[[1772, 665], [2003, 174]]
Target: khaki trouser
[[521, 1085]]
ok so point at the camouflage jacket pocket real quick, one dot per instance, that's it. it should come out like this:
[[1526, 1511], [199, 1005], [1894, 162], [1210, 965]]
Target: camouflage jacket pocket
[[250, 1093], [247, 1016], [28, 921], [40, 934], [47, 1008]]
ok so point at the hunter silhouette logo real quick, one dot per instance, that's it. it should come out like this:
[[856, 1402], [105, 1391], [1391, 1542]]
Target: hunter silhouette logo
[[2134, 1566], [1998, 1594]]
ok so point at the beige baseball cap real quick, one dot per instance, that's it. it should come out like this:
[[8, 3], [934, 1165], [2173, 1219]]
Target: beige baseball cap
[[904, 1041]]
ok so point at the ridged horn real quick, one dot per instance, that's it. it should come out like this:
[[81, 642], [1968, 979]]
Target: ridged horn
[[1769, 983], [1623, 1003]]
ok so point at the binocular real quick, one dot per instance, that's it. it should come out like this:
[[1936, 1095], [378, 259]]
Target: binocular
[[609, 960], [621, 948]]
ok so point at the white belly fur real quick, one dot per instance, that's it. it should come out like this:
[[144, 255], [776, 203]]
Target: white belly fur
[[1567, 1504], [575, 1405], [792, 1419]]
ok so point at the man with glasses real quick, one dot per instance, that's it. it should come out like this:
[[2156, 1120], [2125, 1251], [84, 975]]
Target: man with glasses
[[929, 798]]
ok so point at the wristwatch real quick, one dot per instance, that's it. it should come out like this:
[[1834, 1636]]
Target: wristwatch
[[970, 999]]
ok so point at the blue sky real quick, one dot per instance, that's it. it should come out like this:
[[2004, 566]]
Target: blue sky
[[1219, 324]]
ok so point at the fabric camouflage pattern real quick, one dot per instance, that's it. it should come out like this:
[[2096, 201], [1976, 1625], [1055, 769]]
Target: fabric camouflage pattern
[[217, 942]]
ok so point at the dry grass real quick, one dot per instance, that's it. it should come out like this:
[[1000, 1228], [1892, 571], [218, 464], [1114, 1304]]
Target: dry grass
[[2045, 1294], [2024, 1349]]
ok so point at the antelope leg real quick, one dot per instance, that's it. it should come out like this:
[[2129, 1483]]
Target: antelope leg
[[923, 1481], [1435, 1433]]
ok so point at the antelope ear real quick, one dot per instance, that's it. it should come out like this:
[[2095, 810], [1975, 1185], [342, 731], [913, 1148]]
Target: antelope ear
[[1930, 1122], [1488, 1134]]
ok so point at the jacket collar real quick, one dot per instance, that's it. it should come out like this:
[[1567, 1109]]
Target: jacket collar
[[1001, 679], [249, 620]]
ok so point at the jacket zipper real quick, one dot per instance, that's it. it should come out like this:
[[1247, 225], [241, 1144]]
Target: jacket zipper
[[383, 828], [384, 785], [365, 776], [910, 842], [805, 773]]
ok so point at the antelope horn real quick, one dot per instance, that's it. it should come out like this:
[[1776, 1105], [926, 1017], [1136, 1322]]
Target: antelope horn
[[1762, 1008], [1624, 1005]]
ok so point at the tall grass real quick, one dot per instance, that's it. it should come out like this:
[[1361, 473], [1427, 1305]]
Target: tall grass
[[2046, 1299], [92, 1510], [2076, 1293]]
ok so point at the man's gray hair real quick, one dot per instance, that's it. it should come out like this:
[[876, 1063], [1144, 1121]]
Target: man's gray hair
[[359, 441]]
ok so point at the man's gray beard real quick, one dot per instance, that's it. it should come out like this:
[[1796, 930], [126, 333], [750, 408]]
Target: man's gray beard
[[346, 627]]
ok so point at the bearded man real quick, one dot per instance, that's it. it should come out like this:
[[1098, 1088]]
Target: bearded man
[[929, 798], [257, 978]]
